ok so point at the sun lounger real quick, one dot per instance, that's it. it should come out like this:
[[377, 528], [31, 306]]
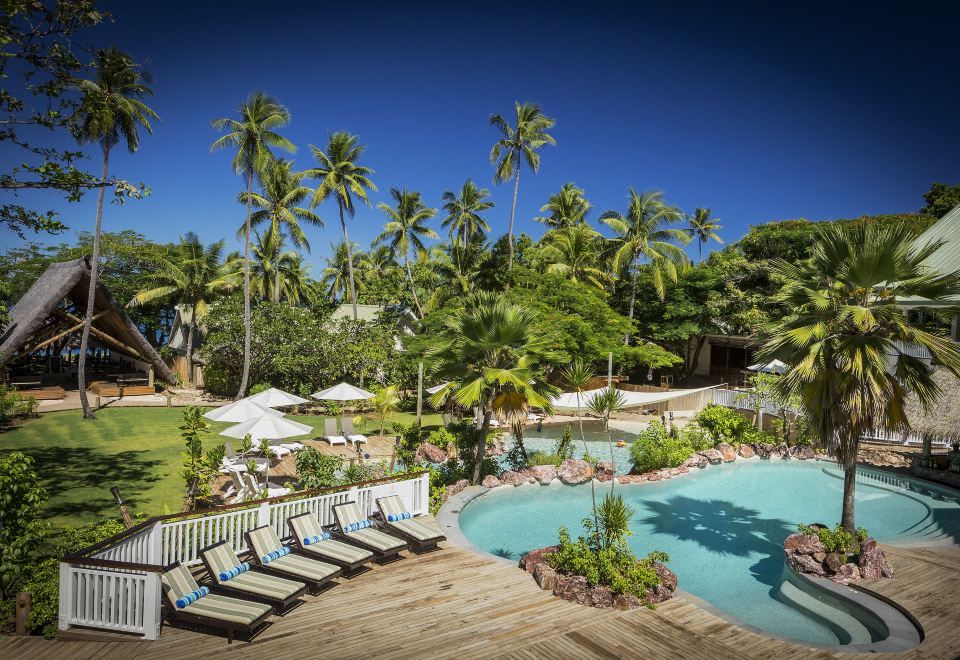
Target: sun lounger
[[330, 432], [356, 528], [235, 578], [355, 438], [419, 532], [310, 539], [274, 557], [255, 490], [193, 605]]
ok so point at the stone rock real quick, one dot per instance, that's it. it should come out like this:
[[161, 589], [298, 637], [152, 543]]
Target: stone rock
[[695, 461], [804, 544], [848, 573], [802, 563], [601, 596], [664, 474], [804, 453], [820, 556], [712, 455], [746, 451], [727, 452], [667, 586], [511, 478], [455, 488], [490, 481], [678, 470], [651, 476], [632, 478], [430, 453], [574, 471], [868, 545], [872, 562], [626, 602], [573, 588], [763, 449], [529, 561], [605, 470], [544, 473], [545, 576], [783, 450], [833, 562]]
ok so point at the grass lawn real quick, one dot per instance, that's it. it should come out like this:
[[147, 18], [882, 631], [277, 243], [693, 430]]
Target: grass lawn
[[137, 449]]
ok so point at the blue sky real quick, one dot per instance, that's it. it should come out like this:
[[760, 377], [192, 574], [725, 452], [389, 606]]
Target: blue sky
[[758, 112]]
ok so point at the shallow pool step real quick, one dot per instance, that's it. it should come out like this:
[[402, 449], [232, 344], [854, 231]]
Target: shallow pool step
[[848, 628]]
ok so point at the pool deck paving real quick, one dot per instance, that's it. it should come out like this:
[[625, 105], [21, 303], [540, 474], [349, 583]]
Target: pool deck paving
[[457, 603]]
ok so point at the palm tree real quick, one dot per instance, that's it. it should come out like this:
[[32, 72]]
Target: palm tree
[[192, 276], [336, 274], [488, 355], [842, 341], [603, 404], [463, 213], [342, 178], [275, 273], [574, 252], [384, 402], [277, 205], [703, 228], [567, 208], [521, 141], [377, 263], [578, 375], [644, 233], [406, 229], [110, 110], [252, 136]]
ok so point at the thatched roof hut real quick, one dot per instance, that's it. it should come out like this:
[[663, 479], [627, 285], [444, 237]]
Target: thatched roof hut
[[943, 420], [43, 316]]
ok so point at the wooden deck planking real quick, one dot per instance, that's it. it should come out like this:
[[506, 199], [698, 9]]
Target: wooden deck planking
[[456, 604]]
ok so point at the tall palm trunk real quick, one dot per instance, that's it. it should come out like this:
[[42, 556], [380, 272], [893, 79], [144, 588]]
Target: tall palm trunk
[[276, 279], [246, 293], [700, 249], [346, 241], [849, 491], [413, 288], [633, 293], [91, 295], [480, 452], [513, 210], [190, 331]]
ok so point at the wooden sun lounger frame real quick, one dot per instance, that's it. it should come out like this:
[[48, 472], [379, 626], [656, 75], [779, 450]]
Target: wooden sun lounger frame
[[199, 621], [415, 543], [348, 567], [281, 606], [380, 556], [313, 586]]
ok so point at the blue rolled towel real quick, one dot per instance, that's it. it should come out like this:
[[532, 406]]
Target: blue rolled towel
[[234, 572], [192, 597], [316, 539]]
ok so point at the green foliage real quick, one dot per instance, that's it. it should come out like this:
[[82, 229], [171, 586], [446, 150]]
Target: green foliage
[[411, 436], [655, 449], [563, 447], [543, 458], [316, 469], [724, 424], [385, 401], [195, 463], [940, 199], [696, 436], [613, 521], [442, 438], [22, 500], [837, 539], [259, 387], [359, 470]]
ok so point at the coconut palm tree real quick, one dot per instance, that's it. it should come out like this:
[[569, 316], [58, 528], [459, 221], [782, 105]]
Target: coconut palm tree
[[463, 213], [342, 178], [567, 208], [842, 340], [522, 141], [405, 229], [574, 252], [278, 205], [192, 276], [253, 135], [703, 228], [275, 274], [336, 275], [110, 110], [488, 356], [377, 262], [644, 233]]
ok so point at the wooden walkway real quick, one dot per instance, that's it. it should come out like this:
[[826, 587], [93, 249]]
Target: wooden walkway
[[455, 604]]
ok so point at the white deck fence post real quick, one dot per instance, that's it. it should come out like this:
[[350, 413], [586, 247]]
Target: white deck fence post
[[66, 597], [263, 514], [151, 606]]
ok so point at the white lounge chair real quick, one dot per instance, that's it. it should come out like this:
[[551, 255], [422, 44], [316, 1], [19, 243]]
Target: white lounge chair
[[330, 433], [279, 451], [355, 438], [254, 487]]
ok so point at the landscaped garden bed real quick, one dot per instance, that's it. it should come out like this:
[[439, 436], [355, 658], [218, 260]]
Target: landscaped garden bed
[[835, 554]]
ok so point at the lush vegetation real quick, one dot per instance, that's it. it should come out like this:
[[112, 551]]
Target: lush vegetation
[[837, 539]]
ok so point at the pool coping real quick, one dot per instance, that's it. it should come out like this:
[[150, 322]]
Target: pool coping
[[905, 631]]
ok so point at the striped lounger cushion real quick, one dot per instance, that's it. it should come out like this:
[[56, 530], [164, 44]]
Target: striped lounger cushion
[[222, 558], [396, 515], [307, 527], [349, 516], [177, 583], [266, 544]]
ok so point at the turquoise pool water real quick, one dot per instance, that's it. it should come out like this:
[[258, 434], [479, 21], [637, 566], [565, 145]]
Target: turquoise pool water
[[546, 439], [724, 529]]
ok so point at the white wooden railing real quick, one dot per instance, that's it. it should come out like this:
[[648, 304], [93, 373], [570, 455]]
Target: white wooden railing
[[115, 585]]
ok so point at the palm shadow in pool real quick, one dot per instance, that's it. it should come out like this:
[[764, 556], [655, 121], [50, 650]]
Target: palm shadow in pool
[[724, 528]]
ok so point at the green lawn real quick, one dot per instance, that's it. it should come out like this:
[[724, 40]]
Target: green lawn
[[137, 449]]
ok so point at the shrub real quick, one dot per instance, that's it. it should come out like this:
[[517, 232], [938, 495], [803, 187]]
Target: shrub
[[259, 387], [724, 424], [564, 445], [442, 438], [655, 449], [316, 469], [696, 436], [837, 539], [543, 458], [22, 499]]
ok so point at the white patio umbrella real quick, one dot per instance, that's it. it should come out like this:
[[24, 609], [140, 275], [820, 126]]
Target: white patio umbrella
[[274, 398], [241, 411], [267, 427], [772, 367], [342, 392]]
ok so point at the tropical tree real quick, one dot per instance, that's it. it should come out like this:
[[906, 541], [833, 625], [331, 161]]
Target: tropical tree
[[253, 135], [703, 228], [567, 208], [574, 252], [275, 273], [603, 404], [385, 401], [336, 275], [463, 213], [406, 229], [192, 277], [488, 356], [110, 110], [278, 206], [521, 141], [644, 233], [342, 178], [843, 342]]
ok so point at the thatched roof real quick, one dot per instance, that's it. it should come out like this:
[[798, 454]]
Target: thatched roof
[[944, 418], [38, 316]]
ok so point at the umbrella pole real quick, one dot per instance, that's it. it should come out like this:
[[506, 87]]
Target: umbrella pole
[[419, 392]]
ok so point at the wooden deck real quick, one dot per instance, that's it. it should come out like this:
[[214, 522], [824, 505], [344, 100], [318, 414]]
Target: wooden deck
[[456, 604]]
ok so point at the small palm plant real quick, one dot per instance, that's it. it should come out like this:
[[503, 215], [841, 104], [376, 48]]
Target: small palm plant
[[578, 375], [603, 404], [384, 402]]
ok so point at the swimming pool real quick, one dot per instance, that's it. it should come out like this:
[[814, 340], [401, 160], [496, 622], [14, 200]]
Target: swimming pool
[[724, 529], [545, 440]]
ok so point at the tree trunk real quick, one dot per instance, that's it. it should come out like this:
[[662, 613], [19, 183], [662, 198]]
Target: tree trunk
[[481, 449], [276, 278], [346, 240], [700, 250], [849, 490], [91, 296], [413, 288], [190, 330], [633, 293], [513, 210], [244, 379], [593, 488]]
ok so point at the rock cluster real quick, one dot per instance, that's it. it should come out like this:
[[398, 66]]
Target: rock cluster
[[574, 471], [576, 589], [805, 553], [430, 453]]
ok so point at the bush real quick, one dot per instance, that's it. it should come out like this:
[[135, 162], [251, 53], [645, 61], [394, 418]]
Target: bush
[[442, 438], [259, 387], [655, 449], [724, 424], [564, 445], [543, 458], [837, 539], [22, 499], [316, 469], [696, 436]]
